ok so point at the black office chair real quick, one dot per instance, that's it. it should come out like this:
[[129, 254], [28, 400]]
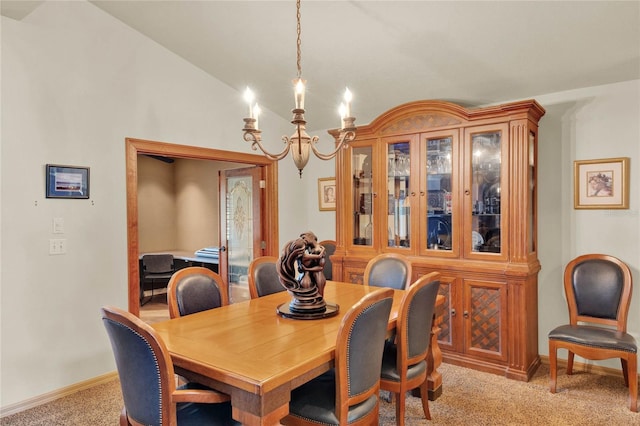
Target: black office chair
[[263, 277], [155, 268], [598, 289], [348, 394], [329, 249], [148, 383], [195, 289], [388, 270], [404, 365]]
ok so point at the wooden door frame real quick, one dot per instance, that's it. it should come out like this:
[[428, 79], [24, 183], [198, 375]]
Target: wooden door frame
[[134, 147]]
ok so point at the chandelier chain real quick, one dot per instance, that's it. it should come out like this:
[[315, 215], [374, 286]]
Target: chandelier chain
[[299, 42]]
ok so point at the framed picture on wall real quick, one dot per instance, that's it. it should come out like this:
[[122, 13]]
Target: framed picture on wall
[[601, 184], [67, 181], [327, 193]]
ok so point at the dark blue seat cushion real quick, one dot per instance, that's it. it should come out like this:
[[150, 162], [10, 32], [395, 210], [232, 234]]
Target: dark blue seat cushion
[[195, 414], [316, 401], [596, 337], [389, 367]]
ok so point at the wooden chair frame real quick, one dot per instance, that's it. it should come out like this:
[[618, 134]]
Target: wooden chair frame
[[628, 360], [403, 360], [169, 393], [172, 288], [371, 264], [253, 289], [343, 401]]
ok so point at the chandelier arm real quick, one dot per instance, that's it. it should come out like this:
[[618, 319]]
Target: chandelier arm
[[345, 138], [256, 143]]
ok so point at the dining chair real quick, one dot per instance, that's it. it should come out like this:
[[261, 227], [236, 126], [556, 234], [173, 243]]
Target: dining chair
[[155, 267], [148, 383], [388, 270], [598, 290], [404, 364], [195, 289], [348, 393], [263, 277], [329, 249]]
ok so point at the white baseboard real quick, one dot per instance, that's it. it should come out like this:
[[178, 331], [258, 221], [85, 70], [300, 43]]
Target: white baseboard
[[56, 394]]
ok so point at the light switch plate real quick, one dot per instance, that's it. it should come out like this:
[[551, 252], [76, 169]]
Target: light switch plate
[[58, 225]]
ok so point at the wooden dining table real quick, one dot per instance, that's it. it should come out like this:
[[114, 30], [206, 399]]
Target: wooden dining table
[[255, 355]]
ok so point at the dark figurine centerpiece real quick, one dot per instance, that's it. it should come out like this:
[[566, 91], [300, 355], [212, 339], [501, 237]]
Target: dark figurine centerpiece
[[300, 268]]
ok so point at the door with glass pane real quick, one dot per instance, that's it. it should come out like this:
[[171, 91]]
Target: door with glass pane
[[362, 195], [439, 194], [241, 238], [401, 194], [485, 203]]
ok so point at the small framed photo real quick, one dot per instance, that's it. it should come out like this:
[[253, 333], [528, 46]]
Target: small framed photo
[[67, 181], [327, 193], [601, 184]]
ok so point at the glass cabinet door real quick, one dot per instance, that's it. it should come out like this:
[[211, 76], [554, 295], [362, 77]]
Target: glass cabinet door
[[361, 159], [398, 194], [440, 169], [486, 209]]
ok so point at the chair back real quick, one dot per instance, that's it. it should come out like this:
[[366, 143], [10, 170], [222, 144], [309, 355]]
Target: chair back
[[359, 348], [144, 367], [388, 270], [195, 289], [157, 263], [598, 290], [416, 317], [329, 249], [263, 277]]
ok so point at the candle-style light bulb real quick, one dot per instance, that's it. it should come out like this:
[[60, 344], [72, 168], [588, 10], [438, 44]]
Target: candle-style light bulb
[[249, 97], [342, 110], [347, 102], [256, 113], [299, 92]]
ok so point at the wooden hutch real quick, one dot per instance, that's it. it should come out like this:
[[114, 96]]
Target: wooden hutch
[[454, 189]]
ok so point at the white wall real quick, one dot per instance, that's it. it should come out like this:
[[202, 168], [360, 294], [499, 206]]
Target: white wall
[[76, 82], [591, 123]]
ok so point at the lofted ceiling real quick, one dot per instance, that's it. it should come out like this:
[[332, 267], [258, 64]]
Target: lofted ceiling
[[391, 52]]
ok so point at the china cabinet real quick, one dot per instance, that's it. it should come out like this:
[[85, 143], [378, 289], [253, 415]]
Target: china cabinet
[[454, 189]]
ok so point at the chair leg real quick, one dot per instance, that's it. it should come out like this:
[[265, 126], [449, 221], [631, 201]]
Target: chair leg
[[570, 363], [632, 377], [400, 406], [625, 371], [424, 396], [553, 366]]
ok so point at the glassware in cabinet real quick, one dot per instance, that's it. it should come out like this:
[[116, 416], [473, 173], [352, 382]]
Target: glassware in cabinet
[[362, 196]]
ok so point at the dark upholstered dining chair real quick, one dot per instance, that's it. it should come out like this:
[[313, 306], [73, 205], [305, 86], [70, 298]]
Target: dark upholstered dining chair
[[348, 394], [404, 365], [263, 277], [148, 383], [598, 289], [195, 289], [329, 249], [155, 268], [388, 270]]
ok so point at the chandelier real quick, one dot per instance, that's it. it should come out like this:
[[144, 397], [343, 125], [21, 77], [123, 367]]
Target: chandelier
[[299, 143]]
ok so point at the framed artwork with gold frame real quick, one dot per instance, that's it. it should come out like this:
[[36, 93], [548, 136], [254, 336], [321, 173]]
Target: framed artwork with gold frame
[[601, 184], [327, 193]]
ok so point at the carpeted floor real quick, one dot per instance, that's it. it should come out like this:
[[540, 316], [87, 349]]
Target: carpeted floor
[[469, 398]]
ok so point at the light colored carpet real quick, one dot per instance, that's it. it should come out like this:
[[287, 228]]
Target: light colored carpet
[[469, 398]]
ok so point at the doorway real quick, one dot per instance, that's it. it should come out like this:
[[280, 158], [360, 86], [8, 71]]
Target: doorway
[[135, 147]]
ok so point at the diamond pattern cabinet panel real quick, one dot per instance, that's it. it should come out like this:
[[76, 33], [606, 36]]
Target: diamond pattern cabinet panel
[[485, 318]]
